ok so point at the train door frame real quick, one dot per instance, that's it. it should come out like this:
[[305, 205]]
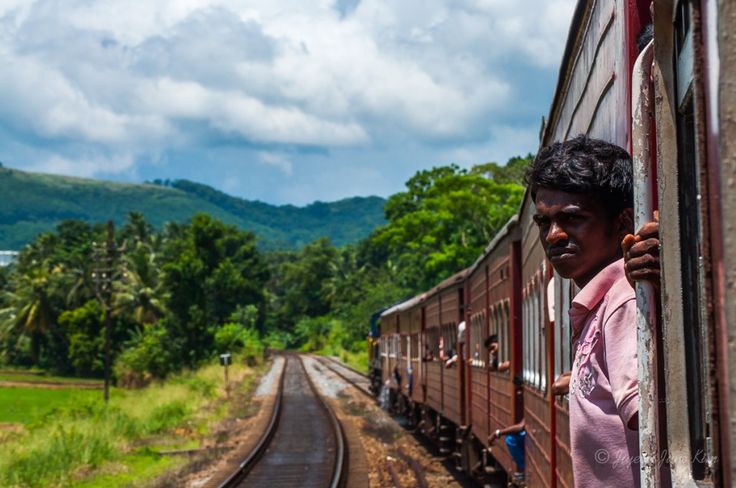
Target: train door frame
[[689, 355]]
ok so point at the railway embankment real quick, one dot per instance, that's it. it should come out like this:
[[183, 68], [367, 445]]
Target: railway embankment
[[390, 455]]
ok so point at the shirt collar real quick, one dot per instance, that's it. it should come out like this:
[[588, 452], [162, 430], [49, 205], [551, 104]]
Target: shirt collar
[[592, 293]]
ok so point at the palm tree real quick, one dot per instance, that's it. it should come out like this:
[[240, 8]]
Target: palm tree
[[30, 312], [140, 293]]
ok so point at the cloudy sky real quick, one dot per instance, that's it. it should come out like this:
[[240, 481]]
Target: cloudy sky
[[285, 101]]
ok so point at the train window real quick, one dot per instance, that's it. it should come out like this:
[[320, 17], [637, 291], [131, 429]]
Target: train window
[[449, 339], [693, 247], [432, 341], [404, 340], [505, 330], [414, 346], [477, 339], [541, 292]]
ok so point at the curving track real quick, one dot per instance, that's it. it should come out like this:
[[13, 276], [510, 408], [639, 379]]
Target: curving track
[[304, 448], [356, 378]]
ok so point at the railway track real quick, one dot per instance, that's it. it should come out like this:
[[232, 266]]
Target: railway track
[[362, 383], [304, 444], [352, 376]]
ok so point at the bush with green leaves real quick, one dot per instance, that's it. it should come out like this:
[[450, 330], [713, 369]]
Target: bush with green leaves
[[149, 356]]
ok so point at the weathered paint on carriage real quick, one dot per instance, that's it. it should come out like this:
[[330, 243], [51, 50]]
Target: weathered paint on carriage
[[727, 333]]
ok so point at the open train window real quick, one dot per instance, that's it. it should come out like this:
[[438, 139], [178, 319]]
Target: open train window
[[432, 342], [477, 338], [503, 339], [694, 250]]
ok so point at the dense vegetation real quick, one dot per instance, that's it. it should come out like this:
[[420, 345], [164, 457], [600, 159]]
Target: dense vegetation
[[35, 203], [185, 292]]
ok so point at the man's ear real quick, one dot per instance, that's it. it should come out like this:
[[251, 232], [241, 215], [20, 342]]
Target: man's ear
[[625, 223]]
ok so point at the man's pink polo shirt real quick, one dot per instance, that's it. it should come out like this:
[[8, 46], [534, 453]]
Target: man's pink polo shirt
[[603, 386]]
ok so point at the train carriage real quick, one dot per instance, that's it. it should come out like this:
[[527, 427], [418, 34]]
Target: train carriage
[[492, 402], [433, 358], [388, 346], [410, 368], [416, 310], [452, 310]]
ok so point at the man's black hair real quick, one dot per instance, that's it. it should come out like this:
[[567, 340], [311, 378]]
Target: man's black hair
[[490, 340], [645, 35], [585, 165]]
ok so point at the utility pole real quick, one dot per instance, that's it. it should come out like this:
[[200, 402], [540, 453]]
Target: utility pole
[[103, 279], [108, 304]]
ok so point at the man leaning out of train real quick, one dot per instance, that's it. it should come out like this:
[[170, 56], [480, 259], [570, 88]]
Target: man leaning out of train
[[583, 195]]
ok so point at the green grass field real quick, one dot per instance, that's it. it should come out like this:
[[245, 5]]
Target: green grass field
[[40, 378], [71, 438], [29, 405]]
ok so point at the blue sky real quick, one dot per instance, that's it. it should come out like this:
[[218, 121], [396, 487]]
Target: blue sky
[[284, 101]]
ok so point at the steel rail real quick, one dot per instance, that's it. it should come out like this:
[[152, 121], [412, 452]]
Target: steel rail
[[326, 361], [263, 442], [339, 476]]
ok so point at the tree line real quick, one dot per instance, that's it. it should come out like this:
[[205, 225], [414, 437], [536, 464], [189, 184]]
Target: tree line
[[188, 291]]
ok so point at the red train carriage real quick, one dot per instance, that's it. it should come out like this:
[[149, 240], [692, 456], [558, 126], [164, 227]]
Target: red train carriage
[[410, 367], [491, 400], [452, 310], [443, 311], [389, 346]]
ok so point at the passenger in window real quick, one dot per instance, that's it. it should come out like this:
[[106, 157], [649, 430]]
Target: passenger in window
[[583, 195], [453, 358], [491, 344], [428, 354]]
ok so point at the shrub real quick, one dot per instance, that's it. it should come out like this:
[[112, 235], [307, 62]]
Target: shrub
[[149, 356], [233, 337]]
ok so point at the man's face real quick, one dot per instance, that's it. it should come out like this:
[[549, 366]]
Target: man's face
[[577, 235]]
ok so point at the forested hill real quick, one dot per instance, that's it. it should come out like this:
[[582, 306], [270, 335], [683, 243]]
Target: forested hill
[[32, 203]]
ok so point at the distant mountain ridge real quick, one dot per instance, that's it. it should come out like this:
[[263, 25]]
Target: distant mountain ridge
[[32, 203]]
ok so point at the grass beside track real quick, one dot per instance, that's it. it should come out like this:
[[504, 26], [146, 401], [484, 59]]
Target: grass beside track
[[77, 440], [42, 378], [31, 405]]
